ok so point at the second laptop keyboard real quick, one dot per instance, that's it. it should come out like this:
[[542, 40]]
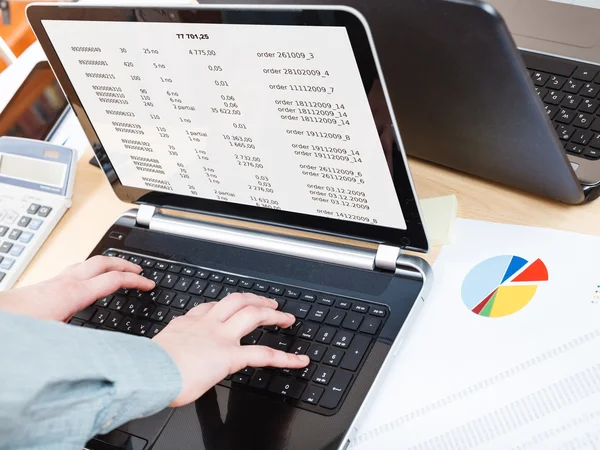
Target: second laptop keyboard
[[569, 91], [335, 332]]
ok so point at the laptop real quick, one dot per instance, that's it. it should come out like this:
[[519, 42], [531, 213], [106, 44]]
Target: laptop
[[262, 151]]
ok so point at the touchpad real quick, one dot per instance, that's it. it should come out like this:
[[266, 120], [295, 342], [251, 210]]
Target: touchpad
[[551, 21]]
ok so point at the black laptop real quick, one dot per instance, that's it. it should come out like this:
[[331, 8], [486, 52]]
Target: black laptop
[[261, 148]]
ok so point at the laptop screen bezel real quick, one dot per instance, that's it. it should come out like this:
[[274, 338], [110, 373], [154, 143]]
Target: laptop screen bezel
[[413, 237]]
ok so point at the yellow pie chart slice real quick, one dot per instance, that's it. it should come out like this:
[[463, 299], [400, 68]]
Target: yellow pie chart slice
[[509, 299]]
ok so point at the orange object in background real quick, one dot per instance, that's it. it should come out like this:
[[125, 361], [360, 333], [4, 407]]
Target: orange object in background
[[17, 34]]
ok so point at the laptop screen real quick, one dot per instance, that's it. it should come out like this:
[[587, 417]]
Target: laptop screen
[[239, 114]]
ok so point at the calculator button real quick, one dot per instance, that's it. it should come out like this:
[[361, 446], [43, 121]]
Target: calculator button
[[2, 275], [33, 208], [5, 247], [44, 211], [26, 237], [24, 221], [3, 230], [17, 250], [14, 234], [10, 217], [7, 263], [35, 224]]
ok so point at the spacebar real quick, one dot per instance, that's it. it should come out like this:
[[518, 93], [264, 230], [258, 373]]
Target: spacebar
[[548, 64]]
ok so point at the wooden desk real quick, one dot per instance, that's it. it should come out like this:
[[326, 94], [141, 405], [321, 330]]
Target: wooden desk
[[95, 208]]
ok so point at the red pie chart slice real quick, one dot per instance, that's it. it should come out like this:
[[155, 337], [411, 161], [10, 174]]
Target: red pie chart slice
[[535, 272]]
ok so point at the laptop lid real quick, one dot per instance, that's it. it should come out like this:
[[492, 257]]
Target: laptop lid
[[279, 115]]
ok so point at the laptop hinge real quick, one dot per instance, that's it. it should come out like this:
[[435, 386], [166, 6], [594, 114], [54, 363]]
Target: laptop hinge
[[144, 215], [386, 258]]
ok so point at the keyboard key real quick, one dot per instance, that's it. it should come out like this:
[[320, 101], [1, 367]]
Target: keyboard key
[[216, 277], [335, 391], [287, 387], [246, 284], [16, 250], [172, 315], [596, 125], [298, 309], [573, 86], [197, 287], [370, 325], [305, 373], [181, 300], [316, 352], [231, 280], [574, 148], [3, 230], [118, 303], [595, 142], [212, 291], [160, 265], [85, 314], [323, 375], [556, 82], [156, 276], [132, 307], [589, 106], [592, 153], [276, 341], [589, 90], [585, 73], [540, 79], [343, 338], [188, 271], [299, 347], [326, 300], [551, 111], [240, 378], [333, 357], [356, 352], [571, 101], [583, 120], [565, 132], [127, 325], [154, 330], [582, 137], [33, 208], [352, 321], [100, 316], [308, 331], [276, 290], [146, 311], [280, 301], [169, 280], [7, 263], [541, 92], [325, 335], [174, 268], [165, 298], [183, 284], [5, 247], [90, 325], [554, 97], [260, 379], [293, 330], [194, 301], [252, 338], [335, 318], [26, 237], [141, 327], [114, 320], [226, 291], [312, 394], [377, 311], [292, 293], [261, 287], [318, 314], [308, 297], [343, 304], [361, 308], [24, 221], [565, 116], [159, 314], [135, 260], [14, 234], [104, 301], [147, 263], [202, 274], [44, 211], [75, 322]]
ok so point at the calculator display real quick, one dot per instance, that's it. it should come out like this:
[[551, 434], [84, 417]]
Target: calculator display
[[33, 170]]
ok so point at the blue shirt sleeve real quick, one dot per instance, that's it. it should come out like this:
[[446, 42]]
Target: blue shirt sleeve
[[60, 385]]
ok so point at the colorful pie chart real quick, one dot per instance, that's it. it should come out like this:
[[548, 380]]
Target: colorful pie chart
[[502, 285]]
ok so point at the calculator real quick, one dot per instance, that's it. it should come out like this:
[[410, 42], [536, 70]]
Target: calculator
[[36, 183]]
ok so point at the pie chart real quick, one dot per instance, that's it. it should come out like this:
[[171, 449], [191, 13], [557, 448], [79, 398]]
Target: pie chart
[[502, 285]]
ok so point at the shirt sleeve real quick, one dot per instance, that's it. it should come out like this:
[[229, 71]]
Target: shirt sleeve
[[60, 385]]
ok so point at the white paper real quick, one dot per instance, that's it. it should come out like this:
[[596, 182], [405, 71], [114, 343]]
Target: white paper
[[263, 115], [529, 380]]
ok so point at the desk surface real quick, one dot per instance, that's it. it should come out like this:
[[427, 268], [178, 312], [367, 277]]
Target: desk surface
[[95, 208]]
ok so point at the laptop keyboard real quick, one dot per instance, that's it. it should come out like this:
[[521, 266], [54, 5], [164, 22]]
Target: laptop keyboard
[[569, 91], [335, 332]]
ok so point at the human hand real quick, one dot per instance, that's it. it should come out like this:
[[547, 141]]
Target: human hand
[[77, 287], [205, 343]]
